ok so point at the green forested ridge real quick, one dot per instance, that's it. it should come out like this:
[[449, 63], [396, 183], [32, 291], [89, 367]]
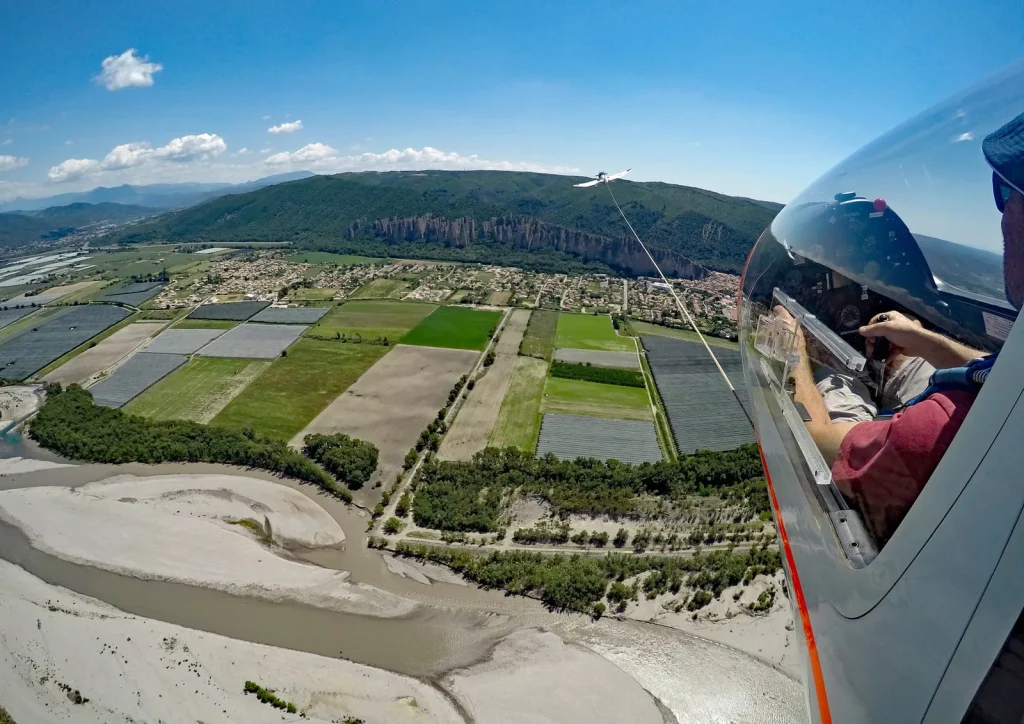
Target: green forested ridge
[[467, 496], [70, 424], [547, 224], [604, 375]]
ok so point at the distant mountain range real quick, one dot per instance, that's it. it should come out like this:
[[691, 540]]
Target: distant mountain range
[[533, 220], [156, 196], [27, 227]]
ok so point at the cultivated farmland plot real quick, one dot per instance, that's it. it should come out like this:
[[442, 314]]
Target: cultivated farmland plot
[[133, 294], [183, 341], [291, 315], [45, 297], [33, 348], [134, 377], [479, 412], [10, 316], [392, 403], [702, 412], [569, 437], [254, 341], [104, 354], [231, 311], [598, 358]]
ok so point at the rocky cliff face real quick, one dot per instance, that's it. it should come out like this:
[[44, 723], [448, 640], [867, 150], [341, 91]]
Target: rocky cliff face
[[523, 232]]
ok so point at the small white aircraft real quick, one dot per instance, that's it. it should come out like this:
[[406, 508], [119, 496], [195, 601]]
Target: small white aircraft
[[602, 178]]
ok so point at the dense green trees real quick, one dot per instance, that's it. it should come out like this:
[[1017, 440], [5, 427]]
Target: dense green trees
[[604, 375], [70, 424], [578, 582], [467, 495], [349, 460]]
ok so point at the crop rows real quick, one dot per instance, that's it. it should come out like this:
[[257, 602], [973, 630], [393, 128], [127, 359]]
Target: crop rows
[[254, 341], [12, 315], [183, 341], [231, 311], [133, 294], [702, 412], [571, 436], [35, 347], [291, 315], [134, 377], [599, 358]]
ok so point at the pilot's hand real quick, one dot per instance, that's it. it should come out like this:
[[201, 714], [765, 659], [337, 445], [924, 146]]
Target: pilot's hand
[[906, 335], [799, 343]]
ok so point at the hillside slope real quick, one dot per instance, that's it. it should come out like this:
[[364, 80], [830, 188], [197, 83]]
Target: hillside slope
[[22, 228], [529, 219]]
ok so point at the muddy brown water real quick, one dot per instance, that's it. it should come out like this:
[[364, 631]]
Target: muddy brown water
[[697, 680]]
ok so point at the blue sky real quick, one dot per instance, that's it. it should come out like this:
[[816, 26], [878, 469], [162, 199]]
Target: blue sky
[[746, 98]]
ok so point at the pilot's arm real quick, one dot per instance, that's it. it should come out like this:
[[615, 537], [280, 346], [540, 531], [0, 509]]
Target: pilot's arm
[[908, 337], [826, 434]]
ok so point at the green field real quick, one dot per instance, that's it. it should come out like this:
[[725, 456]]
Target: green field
[[539, 340], [593, 399], [380, 289], [206, 324], [518, 423], [284, 399], [645, 329], [372, 319], [586, 331], [311, 295], [455, 327], [140, 261], [326, 257], [198, 390]]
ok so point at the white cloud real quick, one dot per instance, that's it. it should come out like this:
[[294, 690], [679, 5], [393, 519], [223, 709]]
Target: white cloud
[[201, 147], [286, 127], [187, 149], [964, 137], [73, 168], [241, 152], [266, 150], [310, 153], [9, 163], [7, 142], [127, 70], [324, 158]]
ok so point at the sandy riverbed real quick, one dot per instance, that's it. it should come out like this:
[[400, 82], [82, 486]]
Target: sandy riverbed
[[175, 528], [533, 676], [138, 669]]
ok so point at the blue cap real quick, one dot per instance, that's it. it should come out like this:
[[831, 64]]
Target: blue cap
[[1004, 150]]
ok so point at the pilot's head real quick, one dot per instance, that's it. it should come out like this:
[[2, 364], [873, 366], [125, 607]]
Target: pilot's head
[[1004, 150]]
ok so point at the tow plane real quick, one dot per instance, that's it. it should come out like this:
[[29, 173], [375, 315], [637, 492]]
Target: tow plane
[[602, 178]]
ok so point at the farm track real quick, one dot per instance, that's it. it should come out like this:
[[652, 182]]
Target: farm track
[[479, 413]]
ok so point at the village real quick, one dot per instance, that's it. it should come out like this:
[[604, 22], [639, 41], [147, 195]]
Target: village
[[289, 278]]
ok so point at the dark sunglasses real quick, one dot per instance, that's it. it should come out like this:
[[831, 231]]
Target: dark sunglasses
[[1001, 190]]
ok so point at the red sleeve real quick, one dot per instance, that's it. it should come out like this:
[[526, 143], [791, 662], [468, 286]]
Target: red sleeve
[[883, 465]]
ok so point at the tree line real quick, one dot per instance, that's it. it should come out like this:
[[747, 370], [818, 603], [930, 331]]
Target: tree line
[[589, 373], [70, 424], [578, 583], [467, 495]]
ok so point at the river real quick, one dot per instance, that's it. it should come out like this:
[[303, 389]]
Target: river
[[697, 680]]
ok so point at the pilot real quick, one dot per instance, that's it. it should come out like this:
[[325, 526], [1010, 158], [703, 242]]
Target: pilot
[[882, 465]]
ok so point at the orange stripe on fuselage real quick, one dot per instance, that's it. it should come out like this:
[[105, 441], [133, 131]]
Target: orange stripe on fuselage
[[801, 603]]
